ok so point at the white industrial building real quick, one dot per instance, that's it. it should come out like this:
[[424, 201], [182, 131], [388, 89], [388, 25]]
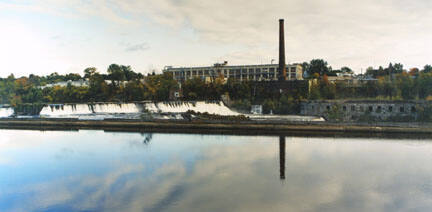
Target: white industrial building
[[267, 72]]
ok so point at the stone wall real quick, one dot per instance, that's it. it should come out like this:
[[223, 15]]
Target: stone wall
[[352, 110]]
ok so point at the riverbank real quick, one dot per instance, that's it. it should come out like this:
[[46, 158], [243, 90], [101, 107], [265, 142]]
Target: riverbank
[[225, 127]]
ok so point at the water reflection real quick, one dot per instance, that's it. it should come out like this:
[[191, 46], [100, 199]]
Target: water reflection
[[147, 137], [282, 157], [100, 171]]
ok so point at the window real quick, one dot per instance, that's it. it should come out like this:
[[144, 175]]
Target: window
[[328, 107], [370, 108], [413, 109], [401, 109], [353, 108], [378, 110], [344, 108], [390, 108]]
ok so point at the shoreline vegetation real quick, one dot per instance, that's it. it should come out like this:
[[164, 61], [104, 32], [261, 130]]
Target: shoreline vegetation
[[121, 83], [227, 127]]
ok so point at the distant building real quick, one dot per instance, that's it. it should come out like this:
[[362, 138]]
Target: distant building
[[256, 109], [78, 83], [341, 77], [268, 72], [354, 109]]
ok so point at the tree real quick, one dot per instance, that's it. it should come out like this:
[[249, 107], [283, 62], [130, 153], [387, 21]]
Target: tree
[[194, 89], [116, 74], [427, 69], [305, 66], [398, 68], [72, 77], [98, 89], [346, 70], [413, 71], [160, 86], [88, 72], [318, 66]]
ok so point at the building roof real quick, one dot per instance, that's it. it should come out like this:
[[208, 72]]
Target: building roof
[[229, 66]]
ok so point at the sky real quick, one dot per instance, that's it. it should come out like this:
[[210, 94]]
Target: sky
[[64, 36]]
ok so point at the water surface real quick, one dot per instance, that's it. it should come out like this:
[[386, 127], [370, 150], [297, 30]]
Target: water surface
[[112, 171]]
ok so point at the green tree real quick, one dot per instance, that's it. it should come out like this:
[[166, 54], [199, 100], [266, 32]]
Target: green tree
[[116, 74], [427, 69], [319, 66], [88, 72]]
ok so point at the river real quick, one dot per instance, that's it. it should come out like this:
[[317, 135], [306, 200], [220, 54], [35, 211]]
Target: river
[[90, 170]]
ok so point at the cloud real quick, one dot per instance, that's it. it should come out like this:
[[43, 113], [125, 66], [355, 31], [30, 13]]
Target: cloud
[[353, 33], [344, 32], [136, 47]]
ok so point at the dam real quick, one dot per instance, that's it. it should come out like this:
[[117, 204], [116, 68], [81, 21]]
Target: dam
[[136, 110]]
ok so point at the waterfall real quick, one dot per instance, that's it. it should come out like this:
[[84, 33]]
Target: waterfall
[[106, 110], [6, 112], [116, 108], [65, 110], [74, 110], [181, 107]]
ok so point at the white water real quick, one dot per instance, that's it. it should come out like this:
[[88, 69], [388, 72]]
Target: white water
[[6, 112], [102, 111], [74, 110], [181, 107]]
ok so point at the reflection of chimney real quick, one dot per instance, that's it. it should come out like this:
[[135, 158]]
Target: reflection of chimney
[[282, 64], [282, 157]]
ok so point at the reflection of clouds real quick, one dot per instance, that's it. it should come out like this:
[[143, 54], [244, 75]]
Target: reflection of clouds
[[6, 161], [64, 153], [121, 190], [321, 175]]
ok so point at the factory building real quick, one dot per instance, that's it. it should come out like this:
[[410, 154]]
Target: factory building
[[268, 72]]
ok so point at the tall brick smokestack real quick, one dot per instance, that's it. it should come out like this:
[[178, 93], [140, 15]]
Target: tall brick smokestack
[[282, 64]]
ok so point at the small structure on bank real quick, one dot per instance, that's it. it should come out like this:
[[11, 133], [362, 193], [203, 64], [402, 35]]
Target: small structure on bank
[[256, 109]]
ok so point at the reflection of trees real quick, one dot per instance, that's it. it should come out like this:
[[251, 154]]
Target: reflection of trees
[[147, 137], [282, 157]]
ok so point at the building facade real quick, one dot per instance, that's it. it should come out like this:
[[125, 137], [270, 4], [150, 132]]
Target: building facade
[[354, 109], [78, 83], [268, 72]]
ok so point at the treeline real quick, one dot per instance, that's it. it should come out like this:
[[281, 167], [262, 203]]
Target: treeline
[[101, 87], [390, 83], [123, 84]]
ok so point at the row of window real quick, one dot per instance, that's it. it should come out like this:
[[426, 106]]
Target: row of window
[[232, 71], [377, 109]]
